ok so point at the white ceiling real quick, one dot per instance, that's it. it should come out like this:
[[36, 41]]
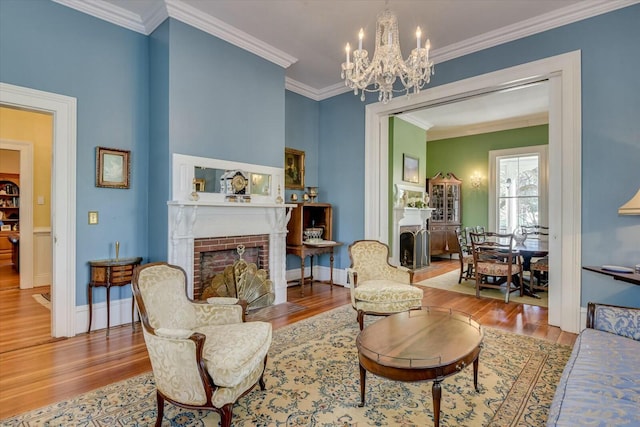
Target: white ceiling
[[307, 37]]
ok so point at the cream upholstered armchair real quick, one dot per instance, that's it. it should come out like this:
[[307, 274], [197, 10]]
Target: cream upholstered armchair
[[378, 288], [203, 355]]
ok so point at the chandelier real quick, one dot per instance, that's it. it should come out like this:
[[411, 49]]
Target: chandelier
[[387, 64]]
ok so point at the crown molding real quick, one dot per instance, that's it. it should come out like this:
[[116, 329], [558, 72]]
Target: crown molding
[[558, 18], [422, 124], [108, 12], [191, 16], [312, 93], [564, 16], [207, 23], [494, 126], [184, 13]]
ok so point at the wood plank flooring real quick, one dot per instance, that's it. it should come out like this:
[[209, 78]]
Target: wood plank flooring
[[45, 373]]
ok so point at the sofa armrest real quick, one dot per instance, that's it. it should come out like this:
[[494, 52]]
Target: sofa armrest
[[619, 320]]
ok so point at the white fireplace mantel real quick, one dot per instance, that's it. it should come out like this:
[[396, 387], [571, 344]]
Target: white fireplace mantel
[[193, 220], [211, 216]]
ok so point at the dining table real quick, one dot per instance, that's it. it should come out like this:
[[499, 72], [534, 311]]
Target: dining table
[[531, 248]]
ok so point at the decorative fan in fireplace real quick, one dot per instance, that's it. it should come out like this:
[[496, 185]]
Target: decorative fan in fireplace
[[245, 281]]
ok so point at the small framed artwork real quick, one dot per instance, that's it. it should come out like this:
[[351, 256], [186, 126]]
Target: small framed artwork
[[5, 227], [410, 171], [293, 169], [112, 167]]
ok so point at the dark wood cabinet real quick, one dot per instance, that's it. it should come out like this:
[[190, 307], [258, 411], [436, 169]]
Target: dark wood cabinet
[[445, 198], [309, 215]]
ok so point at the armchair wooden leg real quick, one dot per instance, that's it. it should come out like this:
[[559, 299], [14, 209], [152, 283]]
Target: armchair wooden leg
[[226, 413], [261, 380], [160, 401], [361, 319]]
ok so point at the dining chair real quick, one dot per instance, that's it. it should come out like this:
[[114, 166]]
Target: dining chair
[[539, 268], [464, 254], [496, 263]]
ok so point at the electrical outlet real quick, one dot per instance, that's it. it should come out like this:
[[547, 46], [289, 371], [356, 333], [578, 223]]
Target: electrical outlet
[[93, 217]]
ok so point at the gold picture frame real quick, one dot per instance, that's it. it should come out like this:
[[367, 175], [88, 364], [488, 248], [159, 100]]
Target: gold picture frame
[[112, 167], [293, 169]]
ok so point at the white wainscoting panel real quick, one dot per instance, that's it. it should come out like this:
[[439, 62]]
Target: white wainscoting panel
[[42, 256]]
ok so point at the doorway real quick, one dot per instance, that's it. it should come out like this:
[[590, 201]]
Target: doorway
[[63, 192], [563, 73]]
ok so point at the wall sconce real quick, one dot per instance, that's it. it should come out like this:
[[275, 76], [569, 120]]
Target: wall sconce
[[476, 180], [632, 207]]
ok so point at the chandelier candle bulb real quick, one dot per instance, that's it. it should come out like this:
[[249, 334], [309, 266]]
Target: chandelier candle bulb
[[418, 34], [360, 37], [347, 49]]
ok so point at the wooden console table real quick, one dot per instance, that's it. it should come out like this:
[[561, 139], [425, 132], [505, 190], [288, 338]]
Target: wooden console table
[[107, 273], [623, 277], [304, 251]]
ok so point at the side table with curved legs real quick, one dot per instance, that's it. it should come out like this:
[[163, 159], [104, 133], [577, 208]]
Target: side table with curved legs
[[108, 273]]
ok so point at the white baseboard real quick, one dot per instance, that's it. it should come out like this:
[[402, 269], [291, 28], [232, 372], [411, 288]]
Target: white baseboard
[[120, 315]]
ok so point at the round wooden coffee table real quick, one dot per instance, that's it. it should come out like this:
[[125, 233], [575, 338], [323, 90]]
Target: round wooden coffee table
[[420, 345]]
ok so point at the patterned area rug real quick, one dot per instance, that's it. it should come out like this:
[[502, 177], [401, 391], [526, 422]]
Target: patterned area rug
[[449, 282], [274, 311], [313, 380]]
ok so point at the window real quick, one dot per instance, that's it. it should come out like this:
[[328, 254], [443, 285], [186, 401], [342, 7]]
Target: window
[[518, 190]]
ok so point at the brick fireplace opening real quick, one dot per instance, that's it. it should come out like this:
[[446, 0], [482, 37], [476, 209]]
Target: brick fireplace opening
[[212, 254]]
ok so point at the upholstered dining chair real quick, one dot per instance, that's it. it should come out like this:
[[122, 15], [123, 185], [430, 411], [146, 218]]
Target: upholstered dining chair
[[539, 268], [465, 255], [377, 287], [496, 263], [203, 355]]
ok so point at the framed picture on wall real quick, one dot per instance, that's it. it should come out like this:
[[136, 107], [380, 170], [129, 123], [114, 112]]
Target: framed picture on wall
[[410, 170], [293, 169], [112, 167]]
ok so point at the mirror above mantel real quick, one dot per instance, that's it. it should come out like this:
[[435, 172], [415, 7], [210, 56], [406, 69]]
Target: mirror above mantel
[[207, 180]]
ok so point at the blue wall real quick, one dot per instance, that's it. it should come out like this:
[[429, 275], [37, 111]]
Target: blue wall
[[53, 48], [610, 138], [170, 93]]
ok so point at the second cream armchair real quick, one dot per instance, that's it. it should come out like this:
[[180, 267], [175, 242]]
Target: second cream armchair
[[378, 288]]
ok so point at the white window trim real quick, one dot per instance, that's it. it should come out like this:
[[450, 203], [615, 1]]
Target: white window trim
[[543, 180]]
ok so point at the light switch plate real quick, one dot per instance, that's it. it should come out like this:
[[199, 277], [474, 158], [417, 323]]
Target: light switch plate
[[93, 217]]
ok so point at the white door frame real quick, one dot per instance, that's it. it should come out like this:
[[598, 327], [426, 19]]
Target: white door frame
[[26, 208], [565, 173], [63, 197]]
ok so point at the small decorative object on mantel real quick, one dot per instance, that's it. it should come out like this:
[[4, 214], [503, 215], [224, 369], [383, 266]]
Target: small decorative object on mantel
[[294, 197], [194, 194], [305, 197], [279, 199], [234, 183], [112, 167]]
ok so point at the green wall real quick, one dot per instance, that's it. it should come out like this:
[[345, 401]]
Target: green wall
[[464, 156], [404, 138]]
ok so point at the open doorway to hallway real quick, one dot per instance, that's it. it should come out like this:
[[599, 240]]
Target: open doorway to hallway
[[26, 142]]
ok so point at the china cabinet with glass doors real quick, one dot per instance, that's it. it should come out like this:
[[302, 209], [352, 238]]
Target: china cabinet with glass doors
[[446, 200]]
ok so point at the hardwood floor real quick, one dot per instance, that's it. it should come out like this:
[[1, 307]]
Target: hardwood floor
[[45, 373]]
